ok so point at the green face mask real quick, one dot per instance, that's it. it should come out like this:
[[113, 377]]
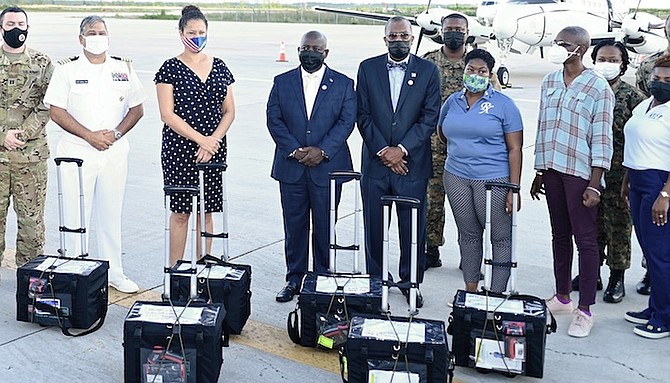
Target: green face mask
[[475, 83]]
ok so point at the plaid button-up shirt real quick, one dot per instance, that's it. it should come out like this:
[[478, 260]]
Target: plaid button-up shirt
[[574, 130]]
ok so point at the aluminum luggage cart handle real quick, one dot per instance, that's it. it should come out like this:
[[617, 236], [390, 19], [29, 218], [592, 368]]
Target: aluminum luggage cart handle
[[167, 268], [488, 250], [358, 213], [62, 229], [414, 204], [204, 234]]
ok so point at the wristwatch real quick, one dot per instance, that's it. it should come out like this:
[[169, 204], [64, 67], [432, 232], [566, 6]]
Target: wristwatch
[[117, 134], [664, 194]]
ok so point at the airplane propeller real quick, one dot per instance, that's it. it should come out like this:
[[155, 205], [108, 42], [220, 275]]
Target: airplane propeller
[[418, 43]]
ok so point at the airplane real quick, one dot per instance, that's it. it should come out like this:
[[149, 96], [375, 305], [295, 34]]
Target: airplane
[[523, 26]]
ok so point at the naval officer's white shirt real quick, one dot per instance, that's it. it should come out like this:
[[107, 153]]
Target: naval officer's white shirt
[[98, 96]]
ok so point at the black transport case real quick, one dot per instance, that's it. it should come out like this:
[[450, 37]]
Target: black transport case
[[500, 332], [60, 290], [327, 302], [219, 280], [400, 349], [175, 342]]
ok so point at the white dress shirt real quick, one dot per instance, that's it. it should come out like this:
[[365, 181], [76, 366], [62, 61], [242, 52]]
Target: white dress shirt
[[310, 87], [396, 77]]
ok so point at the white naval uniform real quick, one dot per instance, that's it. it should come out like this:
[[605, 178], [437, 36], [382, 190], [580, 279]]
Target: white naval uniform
[[98, 96]]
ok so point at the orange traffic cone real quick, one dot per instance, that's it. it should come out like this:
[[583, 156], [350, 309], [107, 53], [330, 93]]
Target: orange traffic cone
[[282, 53]]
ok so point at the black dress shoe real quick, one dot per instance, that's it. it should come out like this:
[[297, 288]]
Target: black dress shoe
[[419, 297], [615, 287], [433, 257], [287, 293], [644, 286], [575, 283]]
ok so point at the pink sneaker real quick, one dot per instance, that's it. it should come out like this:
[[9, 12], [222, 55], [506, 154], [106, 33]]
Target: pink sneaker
[[581, 324], [557, 307]]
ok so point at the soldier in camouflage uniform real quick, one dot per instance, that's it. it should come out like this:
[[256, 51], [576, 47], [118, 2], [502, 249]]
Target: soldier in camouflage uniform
[[24, 77], [642, 77], [449, 60], [644, 70], [614, 223]]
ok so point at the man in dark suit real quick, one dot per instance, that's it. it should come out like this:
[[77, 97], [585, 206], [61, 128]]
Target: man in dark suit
[[310, 114], [398, 105]]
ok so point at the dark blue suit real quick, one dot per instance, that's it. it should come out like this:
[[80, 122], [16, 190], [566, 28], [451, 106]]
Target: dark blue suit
[[304, 189], [410, 125]]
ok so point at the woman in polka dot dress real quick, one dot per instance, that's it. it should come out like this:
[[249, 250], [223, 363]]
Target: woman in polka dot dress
[[196, 104]]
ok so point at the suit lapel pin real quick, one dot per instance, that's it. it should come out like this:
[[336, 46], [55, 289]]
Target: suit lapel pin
[[330, 80], [410, 82], [412, 75], [324, 87]]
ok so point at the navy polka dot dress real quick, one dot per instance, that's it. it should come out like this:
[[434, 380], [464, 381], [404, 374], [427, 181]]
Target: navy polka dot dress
[[199, 104]]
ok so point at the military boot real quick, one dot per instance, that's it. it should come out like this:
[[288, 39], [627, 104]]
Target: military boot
[[644, 286], [575, 283], [433, 257], [615, 287]]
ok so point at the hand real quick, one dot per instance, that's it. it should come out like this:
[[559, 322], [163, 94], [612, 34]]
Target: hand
[[299, 154], [210, 144], [508, 204], [101, 139], [537, 187], [625, 192], [312, 156], [400, 169], [659, 211], [202, 156], [12, 140], [590, 198], [392, 156]]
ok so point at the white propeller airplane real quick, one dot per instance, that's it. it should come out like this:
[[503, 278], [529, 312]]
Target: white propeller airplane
[[522, 26]]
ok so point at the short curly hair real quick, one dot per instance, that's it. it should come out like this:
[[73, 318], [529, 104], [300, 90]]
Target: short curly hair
[[483, 55], [663, 61]]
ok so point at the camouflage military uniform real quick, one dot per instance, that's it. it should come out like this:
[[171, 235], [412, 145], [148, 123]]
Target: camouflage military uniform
[[614, 220], [451, 81], [643, 73], [23, 172]]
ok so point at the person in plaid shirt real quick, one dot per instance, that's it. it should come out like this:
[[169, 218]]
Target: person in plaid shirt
[[573, 148]]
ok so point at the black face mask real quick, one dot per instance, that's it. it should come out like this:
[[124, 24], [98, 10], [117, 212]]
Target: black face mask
[[453, 39], [398, 49], [311, 61], [15, 37], [660, 91]]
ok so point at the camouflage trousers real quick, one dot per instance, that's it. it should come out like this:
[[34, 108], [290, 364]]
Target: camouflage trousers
[[614, 230], [26, 185], [435, 196]]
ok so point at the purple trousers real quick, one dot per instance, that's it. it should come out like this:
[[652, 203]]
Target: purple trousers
[[571, 219]]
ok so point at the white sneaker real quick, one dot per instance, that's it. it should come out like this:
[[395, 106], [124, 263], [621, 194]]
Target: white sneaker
[[557, 307], [581, 324], [124, 285]]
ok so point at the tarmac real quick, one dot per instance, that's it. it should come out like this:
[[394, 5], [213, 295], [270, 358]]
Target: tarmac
[[263, 352]]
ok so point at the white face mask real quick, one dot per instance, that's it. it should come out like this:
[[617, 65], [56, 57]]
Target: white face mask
[[558, 55], [97, 44], [608, 70]]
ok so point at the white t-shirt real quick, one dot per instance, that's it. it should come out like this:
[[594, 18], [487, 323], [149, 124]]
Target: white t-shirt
[[647, 135]]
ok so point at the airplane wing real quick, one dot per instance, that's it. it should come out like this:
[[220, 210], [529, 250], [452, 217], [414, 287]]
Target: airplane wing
[[363, 15]]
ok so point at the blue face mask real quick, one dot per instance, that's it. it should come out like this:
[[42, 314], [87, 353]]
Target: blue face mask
[[195, 44], [475, 83]]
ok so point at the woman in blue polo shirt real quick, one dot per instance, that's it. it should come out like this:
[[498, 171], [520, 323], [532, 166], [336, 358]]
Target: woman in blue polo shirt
[[484, 134]]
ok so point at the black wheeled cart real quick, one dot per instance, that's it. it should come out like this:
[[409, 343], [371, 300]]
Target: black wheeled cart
[[500, 332], [64, 291], [176, 342]]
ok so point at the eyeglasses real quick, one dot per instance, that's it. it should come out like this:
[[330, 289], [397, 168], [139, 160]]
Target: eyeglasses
[[404, 36], [562, 43], [314, 48]]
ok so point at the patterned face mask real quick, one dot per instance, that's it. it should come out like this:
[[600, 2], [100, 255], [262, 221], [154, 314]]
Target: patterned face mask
[[195, 44], [475, 83]]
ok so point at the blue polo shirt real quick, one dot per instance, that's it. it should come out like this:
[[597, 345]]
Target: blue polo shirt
[[476, 136]]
